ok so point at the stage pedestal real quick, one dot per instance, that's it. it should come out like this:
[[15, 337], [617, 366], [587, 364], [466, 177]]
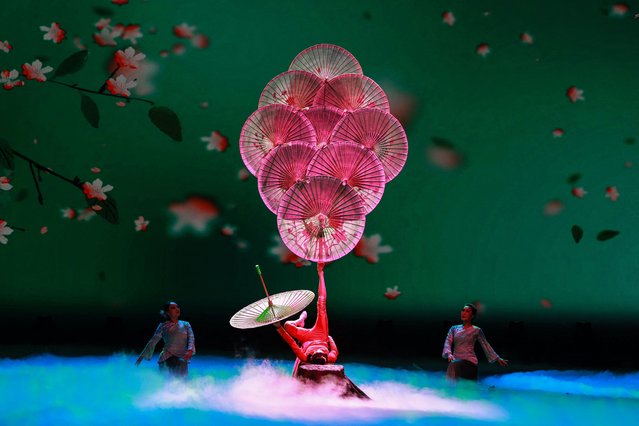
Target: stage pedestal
[[314, 373]]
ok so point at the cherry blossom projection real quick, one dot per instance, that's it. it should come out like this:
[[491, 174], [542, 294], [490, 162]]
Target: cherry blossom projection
[[371, 247], [392, 293], [483, 50], [553, 207], [612, 193], [217, 141], [448, 18], [129, 70], [9, 79], [5, 46], [4, 231], [195, 214], [526, 38], [68, 213], [94, 193], [558, 132], [575, 94], [323, 145], [141, 225], [578, 192], [4, 183], [54, 33]]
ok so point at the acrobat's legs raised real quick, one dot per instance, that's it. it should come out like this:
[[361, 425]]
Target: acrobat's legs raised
[[300, 321]]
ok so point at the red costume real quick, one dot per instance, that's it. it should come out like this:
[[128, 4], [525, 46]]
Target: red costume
[[312, 345]]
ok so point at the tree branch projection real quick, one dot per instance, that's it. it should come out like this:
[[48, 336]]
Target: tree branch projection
[[116, 85], [95, 192]]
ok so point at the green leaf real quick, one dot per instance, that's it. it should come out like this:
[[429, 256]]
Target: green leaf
[[108, 209], [6, 155], [441, 142], [72, 64], [577, 233], [574, 178], [167, 121], [607, 234], [90, 111], [103, 11]]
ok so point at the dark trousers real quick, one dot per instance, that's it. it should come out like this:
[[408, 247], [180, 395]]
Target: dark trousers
[[461, 369], [176, 366]]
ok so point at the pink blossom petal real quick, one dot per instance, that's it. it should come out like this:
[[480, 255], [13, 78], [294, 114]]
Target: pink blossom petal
[[526, 38], [448, 18], [612, 193], [579, 192], [575, 94], [553, 207], [483, 50]]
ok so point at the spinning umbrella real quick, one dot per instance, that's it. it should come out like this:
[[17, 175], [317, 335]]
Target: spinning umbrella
[[271, 309], [322, 219], [295, 88], [378, 131], [326, 61], [323, 119], [283, 167], [271, 126], [351, 92], [355, 165]]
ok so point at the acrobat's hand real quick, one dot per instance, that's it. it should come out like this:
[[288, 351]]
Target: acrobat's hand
[[138, 361], [188, 356], [502, 362], [451, 358], [320, 266]]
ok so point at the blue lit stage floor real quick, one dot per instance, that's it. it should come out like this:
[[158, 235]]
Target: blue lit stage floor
[[47, 390]]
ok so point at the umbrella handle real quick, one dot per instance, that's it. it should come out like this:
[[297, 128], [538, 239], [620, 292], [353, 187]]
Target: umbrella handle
[[259, 272]]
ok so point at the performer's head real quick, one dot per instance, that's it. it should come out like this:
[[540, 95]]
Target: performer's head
[[318, 357], [468, 312], [170, 311]]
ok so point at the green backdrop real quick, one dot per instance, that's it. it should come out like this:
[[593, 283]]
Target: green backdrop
[[475, 232]]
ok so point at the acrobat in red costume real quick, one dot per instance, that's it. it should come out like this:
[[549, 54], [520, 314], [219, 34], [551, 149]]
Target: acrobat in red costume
[[315, 345]]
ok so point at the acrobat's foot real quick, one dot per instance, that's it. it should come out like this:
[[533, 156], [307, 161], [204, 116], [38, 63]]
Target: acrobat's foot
[[300, 321]]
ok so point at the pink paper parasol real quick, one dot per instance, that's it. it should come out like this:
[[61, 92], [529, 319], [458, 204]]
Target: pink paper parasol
[[326, 61], [295, 88], [322, 219], [355, 165], [282, 168], [351, 92], [271, 126], [378, 131], [323, 120]]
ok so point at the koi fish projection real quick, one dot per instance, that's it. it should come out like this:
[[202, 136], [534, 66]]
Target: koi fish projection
[[323, 145]]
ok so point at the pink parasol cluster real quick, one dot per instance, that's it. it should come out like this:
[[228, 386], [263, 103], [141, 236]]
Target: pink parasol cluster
[[322, 144]]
